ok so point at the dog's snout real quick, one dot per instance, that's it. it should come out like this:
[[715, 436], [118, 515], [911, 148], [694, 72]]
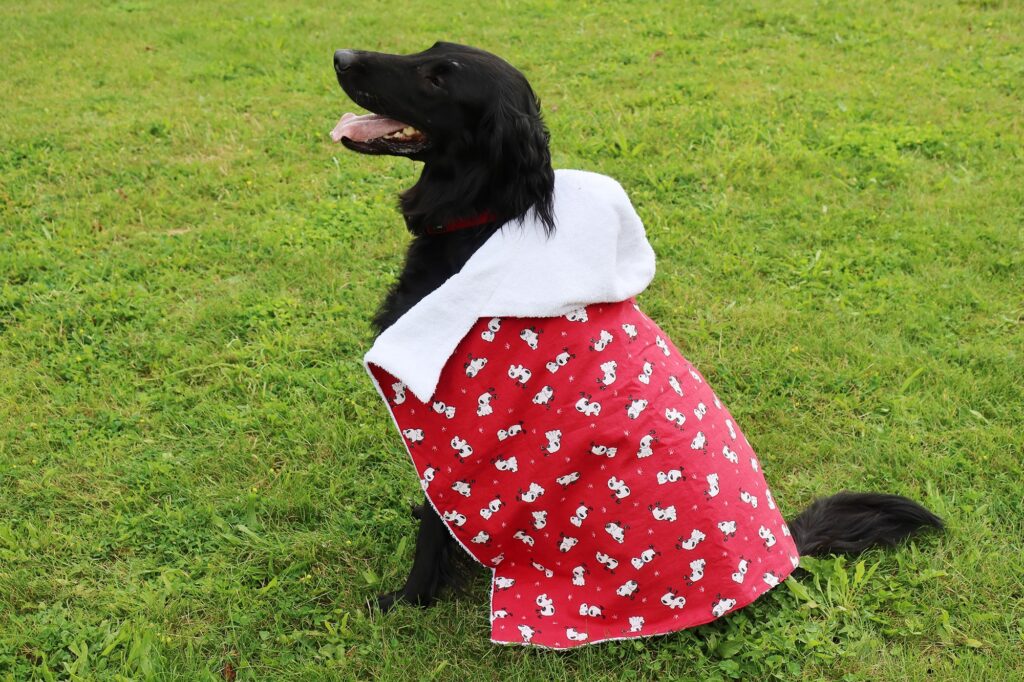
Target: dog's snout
[[343, 60]]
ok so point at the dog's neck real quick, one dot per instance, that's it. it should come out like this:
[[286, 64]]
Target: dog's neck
[[429, 262], [446, 193], [441, 195]]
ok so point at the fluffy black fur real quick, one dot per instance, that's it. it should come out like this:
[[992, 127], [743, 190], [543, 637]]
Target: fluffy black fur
[[485, 149], [849, 523]]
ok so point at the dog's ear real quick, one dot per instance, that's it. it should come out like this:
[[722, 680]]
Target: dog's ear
[[517, 144]]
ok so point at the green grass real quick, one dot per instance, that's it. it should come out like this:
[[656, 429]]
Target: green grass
[[195, 472]]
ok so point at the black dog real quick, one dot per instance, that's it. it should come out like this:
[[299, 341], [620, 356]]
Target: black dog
[[475, 123]]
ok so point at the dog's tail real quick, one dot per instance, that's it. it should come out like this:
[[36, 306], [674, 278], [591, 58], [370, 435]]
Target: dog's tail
[[849, 523]]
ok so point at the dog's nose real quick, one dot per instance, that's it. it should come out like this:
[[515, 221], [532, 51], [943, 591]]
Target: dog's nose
[[343, 60]]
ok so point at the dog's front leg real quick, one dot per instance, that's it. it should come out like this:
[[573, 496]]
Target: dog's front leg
[[432, 566]]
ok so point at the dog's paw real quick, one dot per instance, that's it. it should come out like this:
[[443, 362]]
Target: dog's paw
[[386, 602]]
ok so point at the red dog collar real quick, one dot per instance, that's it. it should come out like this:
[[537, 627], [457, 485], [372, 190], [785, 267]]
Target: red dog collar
[[463, 223]]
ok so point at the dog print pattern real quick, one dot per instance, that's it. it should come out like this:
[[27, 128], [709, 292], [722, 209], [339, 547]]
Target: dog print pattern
[[587, 463]]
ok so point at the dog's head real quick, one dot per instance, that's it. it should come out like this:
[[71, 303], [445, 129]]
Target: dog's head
[[471, 117]]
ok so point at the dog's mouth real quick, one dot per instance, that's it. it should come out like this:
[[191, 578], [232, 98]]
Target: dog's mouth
[[376, 134]]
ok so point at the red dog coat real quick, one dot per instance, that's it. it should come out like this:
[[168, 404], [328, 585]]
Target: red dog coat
[[587, 463]]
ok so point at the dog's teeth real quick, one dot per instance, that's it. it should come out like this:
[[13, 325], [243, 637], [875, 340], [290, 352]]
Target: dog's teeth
[[408, 131]]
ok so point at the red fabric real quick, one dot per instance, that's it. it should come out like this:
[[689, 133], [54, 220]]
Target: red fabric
[[633, 519]]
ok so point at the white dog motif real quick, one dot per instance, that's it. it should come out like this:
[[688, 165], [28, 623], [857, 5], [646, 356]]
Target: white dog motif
[[660, 343], [532, 494], [721, 606], [573, 636], [767, 536], [636, 407], [741, 571], [577, 315], [428, 476], [588, 407], [399, 388], [462, 448], [748, 498], [567, 543], [413, 435], [511, 431], [491, 509], [600, 343], [646, 557], [524, 538], [554, 441], [493, 325], [630, 330], [645, 449], [617, 532], [674, 383], [529, 335], [609, 373], [713, 488], [670, 476], [619, 488], [696, 570], [608, 562], [580, 516], [545, 606], [666, 514], [568, 479], [519, 374], [474, 366], [645, 374], [675, 416], [730, 454], [447, 410], [728, 528], [699, 441], [540, 519], [673, 600], [483, 403], [454, 517], [636, 623], [579, 576], [627, 589], [696, 537], [561, 360], [509, 464], [544, 396], [602, 450]]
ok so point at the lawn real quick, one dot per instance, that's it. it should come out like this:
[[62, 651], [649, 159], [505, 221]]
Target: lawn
[[197, 479]]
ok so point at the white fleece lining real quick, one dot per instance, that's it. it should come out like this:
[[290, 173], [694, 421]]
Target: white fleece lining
[[598, 253]]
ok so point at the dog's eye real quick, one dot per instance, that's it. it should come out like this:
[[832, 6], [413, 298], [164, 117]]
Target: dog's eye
[[435, 80]]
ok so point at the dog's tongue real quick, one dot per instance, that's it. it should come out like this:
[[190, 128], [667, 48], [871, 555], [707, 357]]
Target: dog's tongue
[[364, 128]]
